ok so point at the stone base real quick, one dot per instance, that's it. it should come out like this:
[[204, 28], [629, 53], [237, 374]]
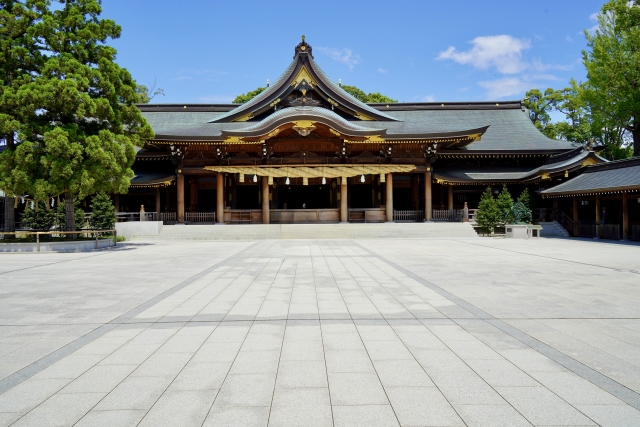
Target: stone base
[[72, 246]]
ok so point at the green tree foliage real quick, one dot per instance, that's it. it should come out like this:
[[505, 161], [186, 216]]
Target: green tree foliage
[[613, 67], [103, 213], [488, 215], [504, 201], [604, 110], [367, 98], [60, 217], [67, 110], [527, 199], [39, 218], [246, 97]]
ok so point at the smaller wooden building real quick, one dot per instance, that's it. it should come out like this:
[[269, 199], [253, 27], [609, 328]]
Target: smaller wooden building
[[602, 202]]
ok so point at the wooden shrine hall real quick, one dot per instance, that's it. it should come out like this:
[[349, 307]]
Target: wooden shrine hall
[[304, 150]]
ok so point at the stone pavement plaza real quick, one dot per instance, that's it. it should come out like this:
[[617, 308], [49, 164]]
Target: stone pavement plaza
[[477, 332]]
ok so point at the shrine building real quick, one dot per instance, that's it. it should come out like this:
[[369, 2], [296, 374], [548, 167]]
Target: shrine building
[[304, 150]]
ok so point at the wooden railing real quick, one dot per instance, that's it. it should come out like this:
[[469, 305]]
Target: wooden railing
[[408, 216], [367, 215], [240, 217], [635, 232], [610, 231], [168, 218], [447, 215], [200, 217]]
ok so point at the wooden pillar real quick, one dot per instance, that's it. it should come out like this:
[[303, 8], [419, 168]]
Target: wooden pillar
[[575, 209], [9, 214], [428, 205], [220, 198], [389, 201], [158, 207], [598, 216], [116, 202], [180, 198], [625, 217], [265, 200], [415, 193], [450, 198], [344, 208]]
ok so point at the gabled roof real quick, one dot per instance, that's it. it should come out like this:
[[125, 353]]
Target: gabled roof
[[620, 175], [303, 74]]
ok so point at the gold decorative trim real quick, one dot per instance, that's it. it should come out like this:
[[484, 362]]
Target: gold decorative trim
[[273, 133], [545, 176], [363, 116], [234, 140], [332, 171], [588, 162], [332, 102], [475, 136], [274, 102], [243, 118], [334, 132], [303, 75]]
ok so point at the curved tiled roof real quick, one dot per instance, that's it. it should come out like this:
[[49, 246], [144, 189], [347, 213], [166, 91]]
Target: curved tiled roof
[[612, 176], [302, 113]]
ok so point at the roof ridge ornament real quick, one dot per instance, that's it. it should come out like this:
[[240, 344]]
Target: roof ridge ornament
[[303, 47]]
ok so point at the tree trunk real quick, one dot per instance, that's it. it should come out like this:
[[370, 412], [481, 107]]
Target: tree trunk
[[9, 214], [70, 213]]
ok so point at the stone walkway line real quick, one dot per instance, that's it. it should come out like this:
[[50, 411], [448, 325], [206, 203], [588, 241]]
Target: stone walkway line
[[386, 332]]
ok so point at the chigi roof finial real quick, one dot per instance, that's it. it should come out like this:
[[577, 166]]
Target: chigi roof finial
[[303, 38]]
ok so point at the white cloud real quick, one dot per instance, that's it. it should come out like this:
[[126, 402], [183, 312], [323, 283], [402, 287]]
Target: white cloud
[[428, 98], [503, 52], [594, 18], [570, 39], [345, 55], [217, 99], [383, 71], [512, 86], [183, 78]]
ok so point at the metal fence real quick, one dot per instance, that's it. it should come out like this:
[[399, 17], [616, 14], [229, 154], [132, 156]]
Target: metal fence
[[448, 215], [408, 216]]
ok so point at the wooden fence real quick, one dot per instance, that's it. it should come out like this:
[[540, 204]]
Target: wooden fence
[[448, 215], [200, 217], [610, 231], [408, 216]]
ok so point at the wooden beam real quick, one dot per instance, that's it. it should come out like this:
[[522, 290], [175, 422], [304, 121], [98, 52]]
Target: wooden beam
[[344, 213], [625, 217], [428, 196], [180, 201]]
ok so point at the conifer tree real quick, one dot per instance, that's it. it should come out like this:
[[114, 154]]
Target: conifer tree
[[103, 213], [504, 202], [67, 110], [488, 215]]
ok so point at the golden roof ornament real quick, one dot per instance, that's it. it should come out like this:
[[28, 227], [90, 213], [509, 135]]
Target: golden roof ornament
[[303, 47]]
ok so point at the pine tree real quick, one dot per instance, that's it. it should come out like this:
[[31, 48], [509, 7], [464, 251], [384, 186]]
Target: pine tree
[[504, 203], [67, 109], [40, 219], [103, 213], [488, 215]]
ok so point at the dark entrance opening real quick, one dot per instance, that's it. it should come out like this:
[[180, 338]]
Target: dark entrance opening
[[206, 200], [248, 197], [362, 196], [313, 196], [402, 199]]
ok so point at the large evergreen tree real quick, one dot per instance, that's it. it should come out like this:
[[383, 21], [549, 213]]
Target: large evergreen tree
[[488, 215], [613, 66], [67, 112]]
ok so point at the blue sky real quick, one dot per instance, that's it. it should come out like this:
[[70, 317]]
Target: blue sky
[[211, 51]]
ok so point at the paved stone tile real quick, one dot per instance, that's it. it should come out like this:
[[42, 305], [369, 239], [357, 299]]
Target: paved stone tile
[[201, 376], [135, 393], [301, 373], [376, 362], [60, 410], [356, 389], [237, 416], [401, 373], [422, 406], [612, 415], [541, 407], [302, 407], [491, 416], [185, 408], [246, 390], [364, 416], [117, 418]]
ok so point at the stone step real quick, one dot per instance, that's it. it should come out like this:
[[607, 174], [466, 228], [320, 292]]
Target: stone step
[[553, 229], [315, 231]]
